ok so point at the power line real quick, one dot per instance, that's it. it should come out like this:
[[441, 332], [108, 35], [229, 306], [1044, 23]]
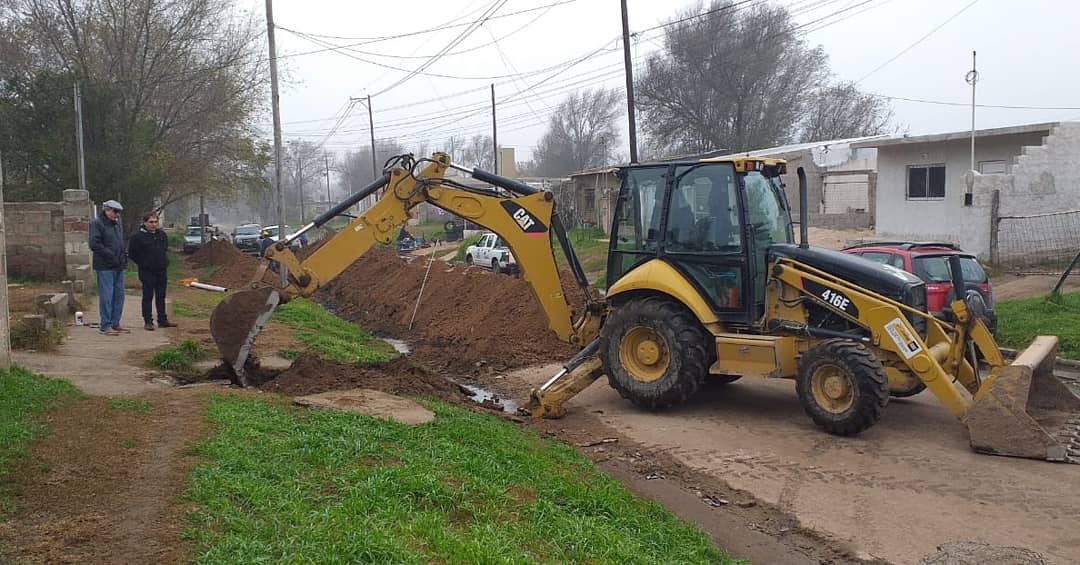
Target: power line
[[441, 27], [449, 46], [918, 41]]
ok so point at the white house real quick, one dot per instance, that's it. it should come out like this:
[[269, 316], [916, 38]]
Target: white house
[[1023, 175]]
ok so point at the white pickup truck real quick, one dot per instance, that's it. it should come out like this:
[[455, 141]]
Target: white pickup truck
[[491, 252]]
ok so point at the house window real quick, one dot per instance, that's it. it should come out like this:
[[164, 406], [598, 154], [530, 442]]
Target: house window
[[992, 167], [925, 182]]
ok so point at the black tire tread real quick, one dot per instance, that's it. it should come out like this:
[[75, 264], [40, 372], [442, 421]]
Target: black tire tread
[[872, 386], [690, 337]]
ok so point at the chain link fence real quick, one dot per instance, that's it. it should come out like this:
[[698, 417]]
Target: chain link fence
[[1049, 239]]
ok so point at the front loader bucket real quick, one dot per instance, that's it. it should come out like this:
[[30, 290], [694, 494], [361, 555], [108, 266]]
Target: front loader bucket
[[235, 323], [1023, 410]]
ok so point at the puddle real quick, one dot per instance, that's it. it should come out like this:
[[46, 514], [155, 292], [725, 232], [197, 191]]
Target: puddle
[[399, 346], [481, 396]]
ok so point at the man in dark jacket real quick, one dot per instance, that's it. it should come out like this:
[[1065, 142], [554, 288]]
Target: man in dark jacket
[[149, 250], [110, 259]]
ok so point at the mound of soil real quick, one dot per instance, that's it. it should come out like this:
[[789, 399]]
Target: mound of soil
[[310, 375], [236, 268], [215, 252], [468, 318]]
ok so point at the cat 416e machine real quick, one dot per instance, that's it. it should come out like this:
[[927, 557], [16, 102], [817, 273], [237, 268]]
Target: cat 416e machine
[[706, 282]]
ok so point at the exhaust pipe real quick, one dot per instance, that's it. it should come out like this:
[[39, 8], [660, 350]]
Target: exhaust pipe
[[804, 227]]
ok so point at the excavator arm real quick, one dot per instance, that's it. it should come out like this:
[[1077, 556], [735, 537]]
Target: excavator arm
[[525, 220]]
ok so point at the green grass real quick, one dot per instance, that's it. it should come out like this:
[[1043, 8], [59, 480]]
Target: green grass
[[331, 337], [285, 485], [179, 359], [290, 354], [131, 405], [23, 395], [185, 310], [1019, 321]]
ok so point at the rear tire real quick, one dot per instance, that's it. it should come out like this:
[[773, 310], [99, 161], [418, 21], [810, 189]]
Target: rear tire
[[468, 259], [495, 266], [842, 386], [654, 352]]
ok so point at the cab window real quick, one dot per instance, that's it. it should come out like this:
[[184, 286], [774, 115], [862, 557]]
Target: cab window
[[637, 213], [704, 212]]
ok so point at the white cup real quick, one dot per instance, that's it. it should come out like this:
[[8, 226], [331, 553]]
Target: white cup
[[78, 318]]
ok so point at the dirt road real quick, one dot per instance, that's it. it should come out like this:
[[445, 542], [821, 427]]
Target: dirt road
[[896, 492]]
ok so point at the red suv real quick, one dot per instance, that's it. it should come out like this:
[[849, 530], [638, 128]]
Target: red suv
[[930, 262]]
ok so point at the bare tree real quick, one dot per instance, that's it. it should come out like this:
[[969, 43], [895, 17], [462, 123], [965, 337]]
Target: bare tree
[[734, 79], [581, 133], [170, 92], [842, 111], [479, 152]]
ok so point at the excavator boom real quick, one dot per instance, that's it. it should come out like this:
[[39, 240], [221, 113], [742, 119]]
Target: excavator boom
[[525, 221]]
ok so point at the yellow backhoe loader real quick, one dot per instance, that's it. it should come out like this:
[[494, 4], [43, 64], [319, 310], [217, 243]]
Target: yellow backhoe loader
[[706, 282]]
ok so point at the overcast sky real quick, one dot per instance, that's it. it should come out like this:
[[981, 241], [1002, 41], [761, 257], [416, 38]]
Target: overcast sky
[[1026, 57]]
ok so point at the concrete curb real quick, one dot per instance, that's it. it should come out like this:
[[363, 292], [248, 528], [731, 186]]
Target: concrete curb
[[1060, 363]]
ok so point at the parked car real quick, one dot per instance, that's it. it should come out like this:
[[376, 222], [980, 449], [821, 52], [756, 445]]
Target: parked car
[[930, 262], [493, 253], [296, 245], [193, 240], [246, 237]]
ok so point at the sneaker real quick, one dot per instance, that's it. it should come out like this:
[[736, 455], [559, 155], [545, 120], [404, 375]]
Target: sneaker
[[112, 331], [122, 330], [149, 326], [167, 324]]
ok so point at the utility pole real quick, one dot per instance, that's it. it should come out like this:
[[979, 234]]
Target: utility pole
[[628, 65], [79, 136], [494, 134], [202, 219], [275, 104], [326, 164], [5, 328], [300, 179], [971, 78]]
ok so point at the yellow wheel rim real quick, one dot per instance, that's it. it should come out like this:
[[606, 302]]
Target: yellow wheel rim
[[833, 389], [644, 354]]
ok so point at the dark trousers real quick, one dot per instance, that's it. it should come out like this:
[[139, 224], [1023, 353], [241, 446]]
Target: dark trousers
[[153, 291]]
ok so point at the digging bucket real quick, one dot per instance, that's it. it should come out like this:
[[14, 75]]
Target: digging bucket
[[1023, 410], [236, 322]]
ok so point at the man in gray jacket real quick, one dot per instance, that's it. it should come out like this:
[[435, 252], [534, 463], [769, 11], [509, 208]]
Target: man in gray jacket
[[110, 259]]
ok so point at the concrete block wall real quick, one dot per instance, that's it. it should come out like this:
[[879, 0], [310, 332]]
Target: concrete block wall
[[41, 241], [35, 247], [78, 213], [1043, 179]]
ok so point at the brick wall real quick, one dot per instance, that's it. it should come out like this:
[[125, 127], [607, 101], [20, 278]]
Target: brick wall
[[43, 238]]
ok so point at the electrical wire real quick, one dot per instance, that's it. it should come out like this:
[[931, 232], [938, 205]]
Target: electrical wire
[[449, 46], [917, 41]]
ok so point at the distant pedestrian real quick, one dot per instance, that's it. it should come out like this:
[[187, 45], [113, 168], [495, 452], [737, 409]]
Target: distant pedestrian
[[149, 250], [265, 241], [110, 259]]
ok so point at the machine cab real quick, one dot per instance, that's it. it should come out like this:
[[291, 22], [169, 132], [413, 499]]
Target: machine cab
[[711, 220]]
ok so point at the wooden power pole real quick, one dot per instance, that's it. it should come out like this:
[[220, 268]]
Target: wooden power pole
[[275, 101], [5, 328], [629, 68]]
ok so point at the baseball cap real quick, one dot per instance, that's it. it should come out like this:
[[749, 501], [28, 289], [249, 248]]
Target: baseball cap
[[113, 204]]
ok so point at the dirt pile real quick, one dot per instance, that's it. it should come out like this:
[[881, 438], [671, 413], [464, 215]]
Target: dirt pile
[[310, 375], [468, 318], [236, 268]]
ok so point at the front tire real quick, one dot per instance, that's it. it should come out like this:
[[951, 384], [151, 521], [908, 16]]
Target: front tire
[[468, 260], [842, 386], [654, 352]]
